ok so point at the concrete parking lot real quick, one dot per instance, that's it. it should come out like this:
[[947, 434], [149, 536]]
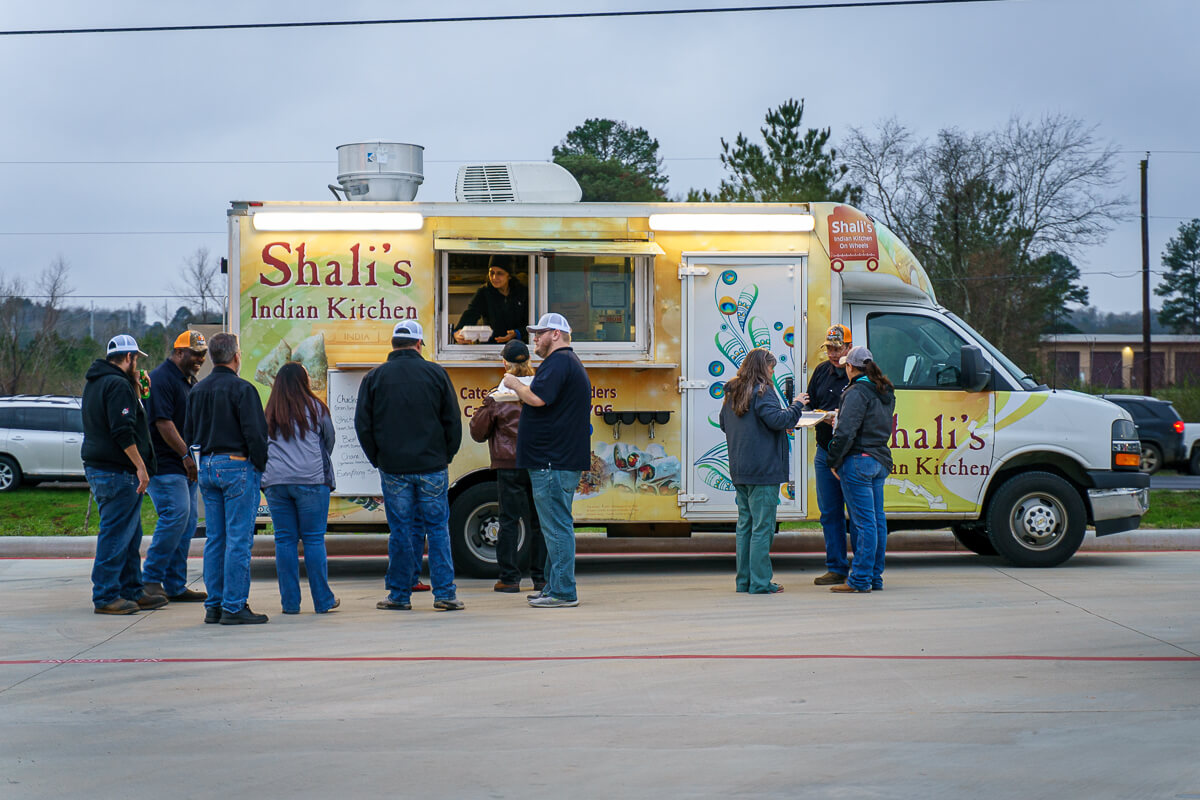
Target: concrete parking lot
[[964, 677]]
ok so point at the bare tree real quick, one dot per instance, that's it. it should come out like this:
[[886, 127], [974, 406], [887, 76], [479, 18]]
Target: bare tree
[[201, 284], [29, 341]]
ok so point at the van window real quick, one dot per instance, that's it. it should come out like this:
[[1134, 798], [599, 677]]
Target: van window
[[915, 351], [597, 295], [469, 298], [74, 420]]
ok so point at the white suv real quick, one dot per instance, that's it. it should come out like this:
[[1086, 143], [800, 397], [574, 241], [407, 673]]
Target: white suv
[[40, 439]]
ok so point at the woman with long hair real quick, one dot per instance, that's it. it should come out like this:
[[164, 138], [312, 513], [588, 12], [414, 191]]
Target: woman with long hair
[[496, 423], [297, 482], [756, 425], [860, 458]]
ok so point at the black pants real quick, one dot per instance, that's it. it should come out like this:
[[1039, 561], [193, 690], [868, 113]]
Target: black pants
[[516, 500]]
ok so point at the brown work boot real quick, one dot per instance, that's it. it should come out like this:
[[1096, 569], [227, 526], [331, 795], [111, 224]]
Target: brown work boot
[[154, 588], [149, 601], [189, 596], [829, 579], [119, 606], [845, 588], [507, 588]]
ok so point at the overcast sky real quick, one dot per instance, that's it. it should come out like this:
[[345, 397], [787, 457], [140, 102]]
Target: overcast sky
[[282, 100]]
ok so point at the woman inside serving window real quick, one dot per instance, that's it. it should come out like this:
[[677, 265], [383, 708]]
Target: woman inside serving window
[[502, 302]]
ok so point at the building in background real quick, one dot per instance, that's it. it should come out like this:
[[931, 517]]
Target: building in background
[[1115, 360]]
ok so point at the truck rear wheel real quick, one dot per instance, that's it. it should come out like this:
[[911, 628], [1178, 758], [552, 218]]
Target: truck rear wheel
[[974, 537], [1036, 519], [475, 529]]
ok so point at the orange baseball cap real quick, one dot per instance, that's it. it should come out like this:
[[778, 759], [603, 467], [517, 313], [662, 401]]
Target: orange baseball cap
[[838, 336], [191, 340]]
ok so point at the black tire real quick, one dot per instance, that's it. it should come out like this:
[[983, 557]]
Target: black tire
[[1036, 519], [474, 528], [1152, 458], [974, 537], [10, 474], [1194, 462]]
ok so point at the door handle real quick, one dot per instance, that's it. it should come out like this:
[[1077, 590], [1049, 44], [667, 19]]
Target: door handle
[[18, 438]]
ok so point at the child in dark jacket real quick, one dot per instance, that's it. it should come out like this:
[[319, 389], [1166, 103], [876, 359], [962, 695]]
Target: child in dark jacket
[[756, 426], [496, 423]]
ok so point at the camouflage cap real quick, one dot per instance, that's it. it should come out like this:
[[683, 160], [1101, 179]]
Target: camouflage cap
[[838, 336], [191, 340]]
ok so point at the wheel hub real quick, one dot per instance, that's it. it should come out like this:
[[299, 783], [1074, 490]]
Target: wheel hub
[[489, 531], [1040, 521]]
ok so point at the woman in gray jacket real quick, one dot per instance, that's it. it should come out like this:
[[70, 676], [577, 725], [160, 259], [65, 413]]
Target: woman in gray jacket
[[756, 427], [861, 459], [297, 482]]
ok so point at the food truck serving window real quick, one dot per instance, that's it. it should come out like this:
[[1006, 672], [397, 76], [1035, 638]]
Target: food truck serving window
[[602, 288]]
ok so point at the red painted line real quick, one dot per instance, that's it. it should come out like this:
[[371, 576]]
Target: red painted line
[[552, 659]]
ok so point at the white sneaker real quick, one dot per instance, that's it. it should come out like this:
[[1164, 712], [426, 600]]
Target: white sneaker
[[546, 601]]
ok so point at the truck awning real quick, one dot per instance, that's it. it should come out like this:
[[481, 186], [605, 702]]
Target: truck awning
[[588, 247]]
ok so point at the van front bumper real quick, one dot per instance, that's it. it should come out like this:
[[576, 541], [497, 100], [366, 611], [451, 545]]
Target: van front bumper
[[1119, 500]]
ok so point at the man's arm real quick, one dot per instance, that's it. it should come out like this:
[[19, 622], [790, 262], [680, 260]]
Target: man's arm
[[524, 392], [451, 418], [254, 426], [170, 435], [142, 475], [364, 425]]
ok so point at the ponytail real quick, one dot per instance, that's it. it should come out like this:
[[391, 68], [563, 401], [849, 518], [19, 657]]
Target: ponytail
[[876, 376]]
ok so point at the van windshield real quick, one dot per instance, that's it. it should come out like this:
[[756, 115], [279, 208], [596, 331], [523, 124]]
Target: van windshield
[[1026, 380]]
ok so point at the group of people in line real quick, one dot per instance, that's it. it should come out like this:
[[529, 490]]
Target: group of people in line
[[852, 461], [178, 438]]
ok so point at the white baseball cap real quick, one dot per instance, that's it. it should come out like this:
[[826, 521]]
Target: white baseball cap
[[408, 329], [550, 322], [124, 343]]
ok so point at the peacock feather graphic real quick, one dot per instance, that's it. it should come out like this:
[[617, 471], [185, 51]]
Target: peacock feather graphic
[[746, 302]]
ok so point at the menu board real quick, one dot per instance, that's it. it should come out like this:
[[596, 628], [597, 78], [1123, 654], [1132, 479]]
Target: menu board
[[354, 473]]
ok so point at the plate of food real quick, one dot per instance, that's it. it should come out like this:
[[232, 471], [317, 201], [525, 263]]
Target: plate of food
[[810, 418]]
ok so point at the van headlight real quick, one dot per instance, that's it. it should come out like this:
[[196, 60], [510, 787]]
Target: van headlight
[[1126, 449]]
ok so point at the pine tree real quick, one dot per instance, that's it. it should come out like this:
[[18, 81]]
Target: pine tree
[[1181, 281]]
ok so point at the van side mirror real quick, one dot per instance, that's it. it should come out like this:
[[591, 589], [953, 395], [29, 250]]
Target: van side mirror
[[976, 372]]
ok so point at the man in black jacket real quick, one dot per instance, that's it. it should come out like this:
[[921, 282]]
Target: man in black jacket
[[410, 426], [118, 461], [225, 421]]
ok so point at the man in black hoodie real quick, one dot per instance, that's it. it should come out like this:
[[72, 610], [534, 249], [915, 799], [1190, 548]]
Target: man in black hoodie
[[118, 461]]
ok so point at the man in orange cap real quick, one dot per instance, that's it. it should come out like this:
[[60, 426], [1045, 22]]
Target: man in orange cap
[[825, 393], [173, 490]]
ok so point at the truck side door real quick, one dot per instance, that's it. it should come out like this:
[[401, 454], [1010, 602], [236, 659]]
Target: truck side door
[[941, 435]]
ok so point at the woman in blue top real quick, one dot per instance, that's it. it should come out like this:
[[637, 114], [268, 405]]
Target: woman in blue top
[[756, 427], [297, 481], [860, 458]]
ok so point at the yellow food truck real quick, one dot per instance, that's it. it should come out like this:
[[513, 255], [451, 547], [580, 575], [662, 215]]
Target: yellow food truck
[[664, 301]]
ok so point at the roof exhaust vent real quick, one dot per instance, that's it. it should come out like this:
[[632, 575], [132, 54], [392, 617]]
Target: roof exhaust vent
[[516, 182], [379, 171]]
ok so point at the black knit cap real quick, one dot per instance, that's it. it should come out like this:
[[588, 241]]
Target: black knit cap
[[515, 352]]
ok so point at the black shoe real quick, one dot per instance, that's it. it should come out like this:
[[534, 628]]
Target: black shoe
[[243, 617], [149, 601], [393, 605], [539, 585], [212, 615]]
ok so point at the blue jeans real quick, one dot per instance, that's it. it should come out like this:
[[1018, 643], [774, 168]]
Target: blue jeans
[[176, 500], [300, 513], [230, 489], [553, 493], [862, 483], [832, 505], [757, 505], [117, 571], [413, 500]]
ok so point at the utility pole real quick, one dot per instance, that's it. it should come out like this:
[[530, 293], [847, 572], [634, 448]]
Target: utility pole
[[1146, 382]]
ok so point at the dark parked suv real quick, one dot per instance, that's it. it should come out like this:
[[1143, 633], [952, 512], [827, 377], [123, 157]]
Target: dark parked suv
[[1160, 429], [40, 437]]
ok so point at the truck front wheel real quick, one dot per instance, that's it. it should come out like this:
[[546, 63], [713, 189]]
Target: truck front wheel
[[475, 529], [974, 537], [1036, 519]]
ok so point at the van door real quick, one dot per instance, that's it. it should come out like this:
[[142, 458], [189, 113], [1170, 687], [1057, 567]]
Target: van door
[[732, 305], [942, 441]]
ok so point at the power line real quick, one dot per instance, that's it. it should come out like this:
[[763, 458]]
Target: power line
[[500, 17]]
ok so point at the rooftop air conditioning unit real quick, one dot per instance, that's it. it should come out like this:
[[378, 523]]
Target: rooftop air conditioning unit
[[516, 182]]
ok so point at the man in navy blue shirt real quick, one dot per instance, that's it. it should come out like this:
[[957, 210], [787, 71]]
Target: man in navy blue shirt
[[173, 489], [554, 444]]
